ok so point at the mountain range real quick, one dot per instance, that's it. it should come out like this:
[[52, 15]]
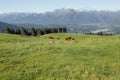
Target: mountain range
[[74, 20], [63, 16]]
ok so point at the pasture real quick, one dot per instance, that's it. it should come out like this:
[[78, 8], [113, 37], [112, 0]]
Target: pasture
[[87, 57]]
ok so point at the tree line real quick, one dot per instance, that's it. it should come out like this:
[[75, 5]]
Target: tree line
[[33, 31]]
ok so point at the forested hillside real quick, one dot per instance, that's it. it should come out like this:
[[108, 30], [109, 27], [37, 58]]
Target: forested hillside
[[3, 25]]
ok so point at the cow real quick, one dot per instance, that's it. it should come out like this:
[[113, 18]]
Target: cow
[[73, 38], [50, 37], [68, 38]]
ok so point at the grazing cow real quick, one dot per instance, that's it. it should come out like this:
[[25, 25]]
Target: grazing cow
[[50, 37], [68, 38], [73, 38]]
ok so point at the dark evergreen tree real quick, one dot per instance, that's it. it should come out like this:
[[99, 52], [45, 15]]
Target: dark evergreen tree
[[64, 30], [18, 31], [44, 31], [23, 31], [58, 29], [12, 31], [49, 30], [55, 30], [52, 30], [99, 33], [6, 30], [33, 31], [38, 32]]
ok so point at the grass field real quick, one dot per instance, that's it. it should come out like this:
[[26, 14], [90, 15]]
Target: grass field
[[88, 57]]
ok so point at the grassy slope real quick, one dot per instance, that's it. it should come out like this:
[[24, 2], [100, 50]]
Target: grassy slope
[[39, 58]]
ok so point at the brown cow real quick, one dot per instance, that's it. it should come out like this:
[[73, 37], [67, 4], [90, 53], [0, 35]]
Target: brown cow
[[73, 38], [50, 37], [68, 38]]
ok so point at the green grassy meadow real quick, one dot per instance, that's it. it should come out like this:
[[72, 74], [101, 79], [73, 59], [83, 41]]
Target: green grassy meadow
[[88, 57]]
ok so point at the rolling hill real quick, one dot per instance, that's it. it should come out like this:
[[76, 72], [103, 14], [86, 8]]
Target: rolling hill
[[88, 57]]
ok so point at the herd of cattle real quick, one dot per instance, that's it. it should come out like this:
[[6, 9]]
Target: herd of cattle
[[72, 38], [66, 38]]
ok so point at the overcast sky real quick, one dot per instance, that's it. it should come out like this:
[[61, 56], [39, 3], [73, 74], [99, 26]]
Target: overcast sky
[[41, 6]]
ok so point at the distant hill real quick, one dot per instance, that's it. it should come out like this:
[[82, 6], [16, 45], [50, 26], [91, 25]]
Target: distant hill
[[3, 25], [79, 28], [63, 16]]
